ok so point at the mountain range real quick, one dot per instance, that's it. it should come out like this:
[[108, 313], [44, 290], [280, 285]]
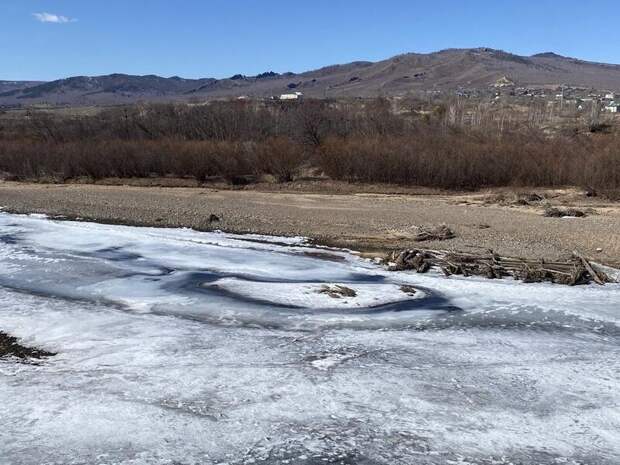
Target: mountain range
[[446, 70]]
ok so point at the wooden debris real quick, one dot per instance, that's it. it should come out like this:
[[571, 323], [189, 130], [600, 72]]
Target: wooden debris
[[434, 233], [337, 291], [577, 270], [553, 212], [598, 278], [409, 290]]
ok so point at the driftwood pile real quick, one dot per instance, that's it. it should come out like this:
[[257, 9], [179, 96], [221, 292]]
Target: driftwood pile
[[553, 212], [434, 233], [577, 270], [337, 291]]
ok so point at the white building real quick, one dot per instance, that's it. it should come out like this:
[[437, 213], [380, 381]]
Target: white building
[[610, 96], [295, 96], [612, 108]]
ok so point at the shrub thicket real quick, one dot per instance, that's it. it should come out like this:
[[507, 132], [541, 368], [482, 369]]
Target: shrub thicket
[[364, 141]]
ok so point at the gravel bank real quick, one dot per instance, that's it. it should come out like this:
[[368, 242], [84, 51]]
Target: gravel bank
[[369, 222]]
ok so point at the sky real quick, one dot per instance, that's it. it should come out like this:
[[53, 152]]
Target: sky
[[52, 39]]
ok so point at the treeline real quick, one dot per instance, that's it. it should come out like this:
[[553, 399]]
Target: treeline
[[369, 141]]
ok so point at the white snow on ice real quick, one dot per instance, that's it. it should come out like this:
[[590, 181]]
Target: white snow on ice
[[175, 346], [315, 295]]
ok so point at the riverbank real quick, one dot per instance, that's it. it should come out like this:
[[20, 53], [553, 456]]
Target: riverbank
[[345, 216]]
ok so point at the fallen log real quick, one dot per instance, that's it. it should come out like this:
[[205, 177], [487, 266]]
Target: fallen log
[[574, 271], [598, 279]]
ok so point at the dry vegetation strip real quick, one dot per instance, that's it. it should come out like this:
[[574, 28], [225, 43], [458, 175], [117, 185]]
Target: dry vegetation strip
[[241, 141]]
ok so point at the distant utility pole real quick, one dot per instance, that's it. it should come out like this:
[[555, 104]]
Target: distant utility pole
[[595, 115]]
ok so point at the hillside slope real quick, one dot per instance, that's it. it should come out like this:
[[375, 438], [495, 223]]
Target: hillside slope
[[445, 70]]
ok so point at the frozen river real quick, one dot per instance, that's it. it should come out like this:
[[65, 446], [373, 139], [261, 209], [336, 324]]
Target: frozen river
[[179, 347]]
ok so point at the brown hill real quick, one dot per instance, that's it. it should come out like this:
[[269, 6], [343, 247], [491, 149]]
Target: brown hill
[[445, 70]]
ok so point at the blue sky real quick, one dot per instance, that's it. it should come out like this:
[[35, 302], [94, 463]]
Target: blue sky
[[218, 38]]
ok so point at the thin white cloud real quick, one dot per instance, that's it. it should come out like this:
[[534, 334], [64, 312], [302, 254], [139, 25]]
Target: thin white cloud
[[52, 18]]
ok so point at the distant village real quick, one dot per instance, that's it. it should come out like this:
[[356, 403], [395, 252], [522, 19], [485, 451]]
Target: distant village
[[567, 97], [579, 99]]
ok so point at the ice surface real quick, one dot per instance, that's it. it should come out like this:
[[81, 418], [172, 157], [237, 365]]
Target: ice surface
[[182, 347], [317, 295]]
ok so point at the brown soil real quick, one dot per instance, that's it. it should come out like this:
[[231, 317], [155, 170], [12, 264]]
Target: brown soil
[[387, 218]]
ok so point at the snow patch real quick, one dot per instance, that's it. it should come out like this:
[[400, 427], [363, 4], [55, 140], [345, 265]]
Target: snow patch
[[317, 295]]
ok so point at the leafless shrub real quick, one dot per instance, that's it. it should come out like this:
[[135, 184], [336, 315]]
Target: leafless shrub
[[457, 160], [356, 141], [280, 157], [126, 159]]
